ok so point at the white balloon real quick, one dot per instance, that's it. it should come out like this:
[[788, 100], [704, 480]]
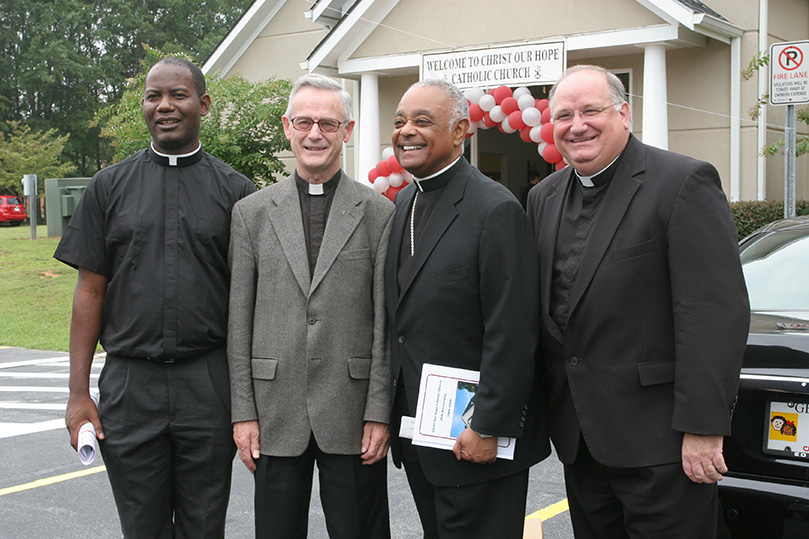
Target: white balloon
[[541, 147], [487, 102], [474, 95], [526, 101], [497, 114], [395, 179], [531, 116], [386, 153], [473, 127], [408, 178], [381, 184], [536, 134], [507, 127], [519, 92], [482, 125]]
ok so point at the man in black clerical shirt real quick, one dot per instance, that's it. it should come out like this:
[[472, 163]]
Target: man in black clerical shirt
[[150, 241], [461, 292], [643, 315], [309, 359]]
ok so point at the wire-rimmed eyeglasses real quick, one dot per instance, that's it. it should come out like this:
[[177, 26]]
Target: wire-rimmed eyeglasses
[[326, 125]]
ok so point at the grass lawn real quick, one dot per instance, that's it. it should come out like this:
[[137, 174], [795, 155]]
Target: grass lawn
[[36, 290]]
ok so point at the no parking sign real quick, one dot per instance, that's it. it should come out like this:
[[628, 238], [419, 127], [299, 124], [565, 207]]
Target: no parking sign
[[789, 73]]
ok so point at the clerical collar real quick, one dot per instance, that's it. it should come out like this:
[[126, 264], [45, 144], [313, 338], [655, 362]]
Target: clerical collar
[[318, 188], [602, 177], [168, 160], [437, 180]]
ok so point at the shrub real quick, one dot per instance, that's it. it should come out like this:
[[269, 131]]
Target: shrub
[[754, 214]]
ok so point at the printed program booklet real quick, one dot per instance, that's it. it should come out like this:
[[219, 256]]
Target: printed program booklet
[[445, 407]]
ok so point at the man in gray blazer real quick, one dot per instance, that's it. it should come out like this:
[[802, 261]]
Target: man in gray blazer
[[309, 359]]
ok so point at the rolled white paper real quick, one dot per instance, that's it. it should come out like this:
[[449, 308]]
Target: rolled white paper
[[88, 445]]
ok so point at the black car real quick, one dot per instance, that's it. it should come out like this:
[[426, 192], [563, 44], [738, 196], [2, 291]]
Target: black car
[[766, 490]]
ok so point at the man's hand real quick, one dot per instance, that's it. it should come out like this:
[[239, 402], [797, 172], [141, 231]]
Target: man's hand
[[80, 410], [375, 441], [470, 446], [702, 458], [245, 434]]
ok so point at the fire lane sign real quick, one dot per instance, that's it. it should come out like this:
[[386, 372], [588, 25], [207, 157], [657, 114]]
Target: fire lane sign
[[789, 73]]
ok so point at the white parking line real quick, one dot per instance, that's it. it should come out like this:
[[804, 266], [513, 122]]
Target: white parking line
[[7, 430], [24, 363], [63, 375], [32, 406], [35, 389]]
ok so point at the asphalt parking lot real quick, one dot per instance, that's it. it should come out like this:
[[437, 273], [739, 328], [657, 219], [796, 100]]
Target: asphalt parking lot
[[46, 492]]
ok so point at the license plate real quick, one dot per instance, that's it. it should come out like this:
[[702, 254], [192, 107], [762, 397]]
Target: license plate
[[17, 209], [787, 430]]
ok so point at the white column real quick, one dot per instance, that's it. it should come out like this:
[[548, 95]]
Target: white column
[[655, 113], [735, 120], [368, 127], [763, 88]]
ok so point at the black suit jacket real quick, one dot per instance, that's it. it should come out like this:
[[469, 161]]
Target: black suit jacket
[[469, 301], [658, 312]]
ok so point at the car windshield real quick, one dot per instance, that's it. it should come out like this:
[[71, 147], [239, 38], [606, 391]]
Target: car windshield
[[775, 269], [13, 200]]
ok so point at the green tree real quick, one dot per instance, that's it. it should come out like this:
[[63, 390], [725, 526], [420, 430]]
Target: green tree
[[243, 127], [62, 61], [24, 152]]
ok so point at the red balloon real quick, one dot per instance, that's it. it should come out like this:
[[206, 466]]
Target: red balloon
[[509, 105], [515, 119], [500, 127], [525, 133], [542, 104], [501, 92], [382, 168], [546, 116], [560, 164], [475, 113], [391, 192], [372, 175], [551, 154], [546, 133], [393, 164], [487, 120]]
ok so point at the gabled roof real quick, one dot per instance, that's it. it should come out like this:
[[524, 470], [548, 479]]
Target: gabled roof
[[350, 25], [249, 26]]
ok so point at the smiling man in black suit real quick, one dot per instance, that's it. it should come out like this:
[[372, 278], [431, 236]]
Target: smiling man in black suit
[[644, 318], [461, 291]]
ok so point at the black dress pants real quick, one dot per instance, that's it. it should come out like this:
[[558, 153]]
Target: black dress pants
[[654, 501], [354, 496], [169, 445]]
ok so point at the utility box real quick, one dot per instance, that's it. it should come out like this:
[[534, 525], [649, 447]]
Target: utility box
[[62, 195]]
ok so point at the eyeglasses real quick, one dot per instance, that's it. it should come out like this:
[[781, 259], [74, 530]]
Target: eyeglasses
[[326, 125], [568, 115]]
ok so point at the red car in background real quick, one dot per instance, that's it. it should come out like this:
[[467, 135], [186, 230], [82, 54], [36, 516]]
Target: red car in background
[[12, 210]]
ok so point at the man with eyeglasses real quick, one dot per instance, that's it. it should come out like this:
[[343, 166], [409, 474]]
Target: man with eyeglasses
[[644, 318], [309, 359]]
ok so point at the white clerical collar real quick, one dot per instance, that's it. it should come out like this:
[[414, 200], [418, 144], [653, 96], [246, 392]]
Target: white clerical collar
[[418, 181], [587, 181], [173, 158]]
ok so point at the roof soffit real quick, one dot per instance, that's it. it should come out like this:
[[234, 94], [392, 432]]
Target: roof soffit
[[243, 34]]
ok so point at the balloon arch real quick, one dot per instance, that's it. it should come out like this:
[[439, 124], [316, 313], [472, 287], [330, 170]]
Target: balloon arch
[[509, 111]]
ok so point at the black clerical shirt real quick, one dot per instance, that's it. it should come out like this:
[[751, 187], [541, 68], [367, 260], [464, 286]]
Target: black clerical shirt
[[429, 191], [315, 212], [157, 227], [578, 214]]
